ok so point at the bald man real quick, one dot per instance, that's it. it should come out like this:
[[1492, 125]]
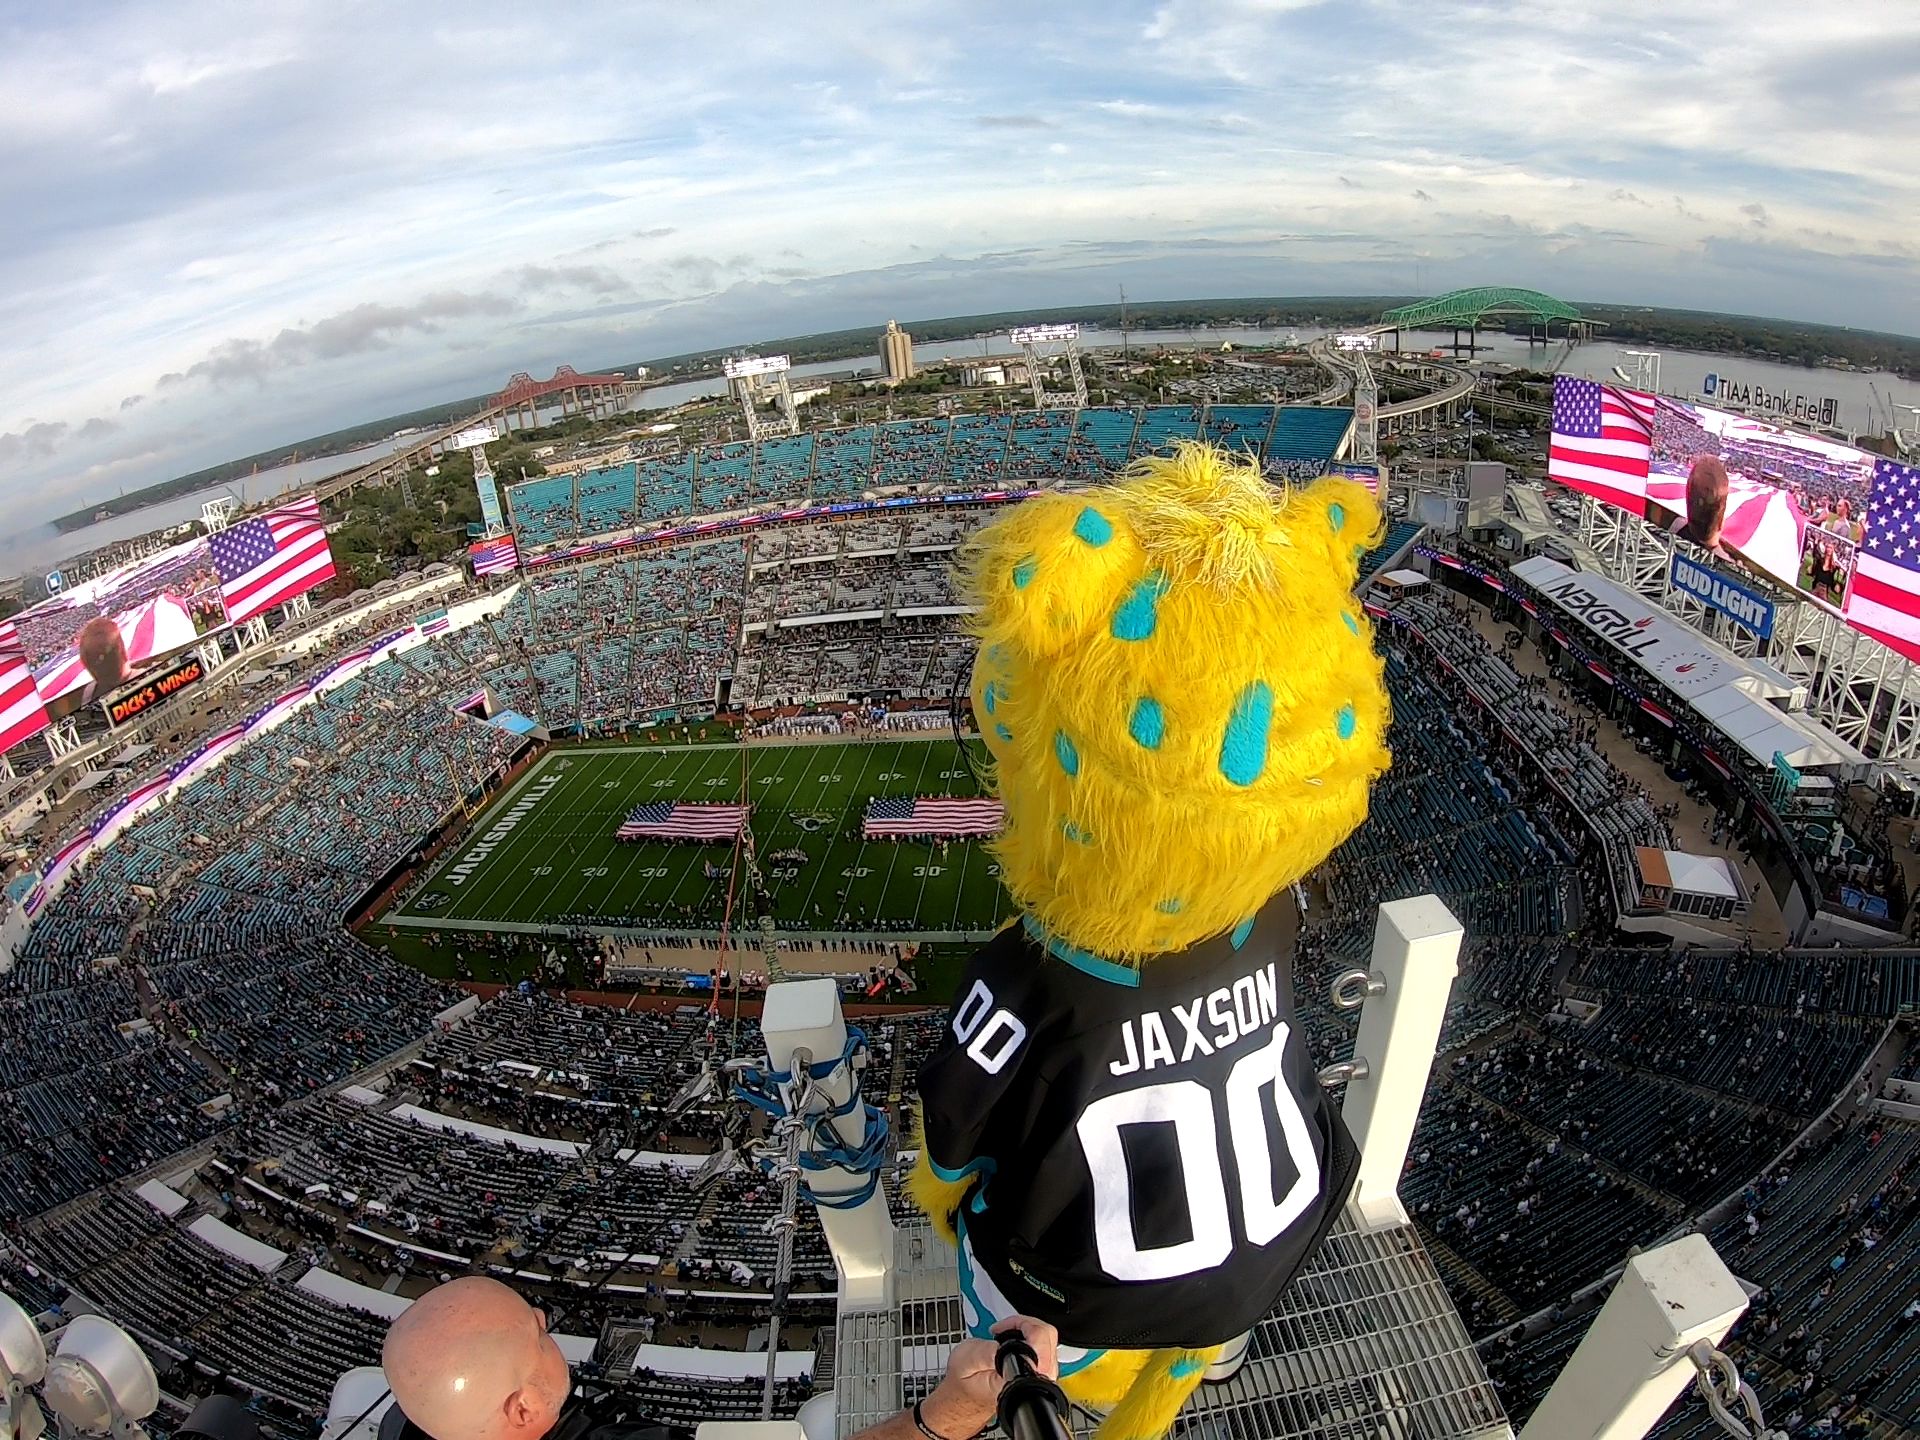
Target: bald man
[[471, 1360]]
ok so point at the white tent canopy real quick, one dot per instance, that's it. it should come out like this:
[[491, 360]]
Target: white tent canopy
[[1740, 698]]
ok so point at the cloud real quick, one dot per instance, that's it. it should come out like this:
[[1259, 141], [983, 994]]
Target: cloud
[[594, 279], [46, 438], [262, 208], [356, 331]]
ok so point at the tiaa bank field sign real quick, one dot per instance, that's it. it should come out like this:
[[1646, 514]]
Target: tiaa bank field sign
[[1749, 611]]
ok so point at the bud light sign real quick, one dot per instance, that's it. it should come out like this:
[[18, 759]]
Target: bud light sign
[[1749, 611]]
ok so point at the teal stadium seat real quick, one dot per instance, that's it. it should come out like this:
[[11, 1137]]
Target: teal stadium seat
[[1161, 425], [1102, 442], [978, 454], [666, 489], [607, 499], [785, 469], [1307, 433], [543, 509], [909, 452], [1240, 427], [842, 463], [1038, 445], [724, 479]]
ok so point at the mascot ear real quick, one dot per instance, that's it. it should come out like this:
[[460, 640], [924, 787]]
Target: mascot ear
[[1330, 524], [1053, 571]]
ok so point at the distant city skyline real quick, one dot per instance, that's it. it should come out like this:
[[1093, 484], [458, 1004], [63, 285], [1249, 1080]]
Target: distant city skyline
[[229, 229]]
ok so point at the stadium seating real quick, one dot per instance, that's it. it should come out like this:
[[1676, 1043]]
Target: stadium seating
[[1162, 425], [843, 463], [977, 453], [964, 453], [1307, 433]]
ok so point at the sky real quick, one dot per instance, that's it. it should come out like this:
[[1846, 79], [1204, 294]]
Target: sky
[[230, 226]]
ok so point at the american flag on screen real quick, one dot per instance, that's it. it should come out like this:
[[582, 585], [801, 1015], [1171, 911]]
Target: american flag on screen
[[891, 816], [1884, 599], [491, 557], [270, 560], [1602, 441], [22, 716], [670, 820]]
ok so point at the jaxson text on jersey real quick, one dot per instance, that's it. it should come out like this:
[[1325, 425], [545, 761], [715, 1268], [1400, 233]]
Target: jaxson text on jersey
[[1226, 1168], [1211, 1022]]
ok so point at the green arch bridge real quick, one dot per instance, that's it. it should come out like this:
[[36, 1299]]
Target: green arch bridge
[[1469, 309]]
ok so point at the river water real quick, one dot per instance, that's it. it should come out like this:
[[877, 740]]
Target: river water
[[1682, 373]]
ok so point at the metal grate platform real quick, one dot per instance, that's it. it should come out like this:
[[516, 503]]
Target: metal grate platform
[[1365, 1345]]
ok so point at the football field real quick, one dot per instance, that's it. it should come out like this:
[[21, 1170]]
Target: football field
[[544, 854]]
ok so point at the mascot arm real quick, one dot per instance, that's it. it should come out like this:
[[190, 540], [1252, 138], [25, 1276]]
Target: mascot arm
[[937, 1197]]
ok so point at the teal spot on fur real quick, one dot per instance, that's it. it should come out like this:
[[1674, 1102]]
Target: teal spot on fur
[[1337, 516], [1241, 932], [1136, 617], [1171, 906], [1148, 723], [1006, 735], [990, 696], [1074, 833], [1064, 752], [1093, 527], [1353, 625], [1023, 572], [1186, 1367], [1243, 749], [1347, 723]]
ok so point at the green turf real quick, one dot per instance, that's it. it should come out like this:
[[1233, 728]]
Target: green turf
[[559, 864]]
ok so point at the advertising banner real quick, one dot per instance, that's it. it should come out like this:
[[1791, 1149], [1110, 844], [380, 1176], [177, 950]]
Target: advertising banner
[[1749, 610]]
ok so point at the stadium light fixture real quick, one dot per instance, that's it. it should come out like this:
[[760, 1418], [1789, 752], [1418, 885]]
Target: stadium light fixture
[[23, 1362], [99, 1382], [360, 1403]]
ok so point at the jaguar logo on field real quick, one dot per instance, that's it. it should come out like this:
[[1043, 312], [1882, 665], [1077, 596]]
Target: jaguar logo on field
[[433, 900]]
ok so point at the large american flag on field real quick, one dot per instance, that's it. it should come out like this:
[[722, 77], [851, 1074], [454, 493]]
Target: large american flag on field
[[1602, 441], [891, 816], [272, 559], [491, 557], [22, 715], [670, 820], [1884, 599]]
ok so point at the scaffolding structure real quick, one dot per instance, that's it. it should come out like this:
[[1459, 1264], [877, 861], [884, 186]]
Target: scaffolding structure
[[1030, 338], [758, 379]]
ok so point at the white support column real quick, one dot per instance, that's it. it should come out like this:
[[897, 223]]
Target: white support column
[[805, 1015], [1416, 951], [1633, 1362]]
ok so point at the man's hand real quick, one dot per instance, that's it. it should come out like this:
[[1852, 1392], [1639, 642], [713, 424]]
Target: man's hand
[[963, 1403]]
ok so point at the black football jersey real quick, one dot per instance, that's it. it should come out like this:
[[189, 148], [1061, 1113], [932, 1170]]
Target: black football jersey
[[1153, 1157]]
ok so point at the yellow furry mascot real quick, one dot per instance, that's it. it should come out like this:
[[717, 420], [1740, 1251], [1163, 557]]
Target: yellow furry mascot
[[1121, 1130]]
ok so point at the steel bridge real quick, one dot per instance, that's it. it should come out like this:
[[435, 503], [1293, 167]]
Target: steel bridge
[[1470, 309]]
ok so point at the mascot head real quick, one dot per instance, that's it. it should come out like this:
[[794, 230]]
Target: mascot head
[[1179, 693]]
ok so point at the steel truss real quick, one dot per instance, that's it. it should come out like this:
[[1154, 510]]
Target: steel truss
[[1038, 365], [1865, 693]]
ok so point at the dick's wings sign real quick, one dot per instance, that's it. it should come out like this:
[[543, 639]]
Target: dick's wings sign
[[1749, 611]]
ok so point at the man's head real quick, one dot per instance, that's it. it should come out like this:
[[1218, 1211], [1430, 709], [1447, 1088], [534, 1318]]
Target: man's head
[[471, 1360], [103, 652]]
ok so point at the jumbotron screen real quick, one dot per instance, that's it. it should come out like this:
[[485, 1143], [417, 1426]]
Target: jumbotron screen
[[88, 641], [1795, 507]]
